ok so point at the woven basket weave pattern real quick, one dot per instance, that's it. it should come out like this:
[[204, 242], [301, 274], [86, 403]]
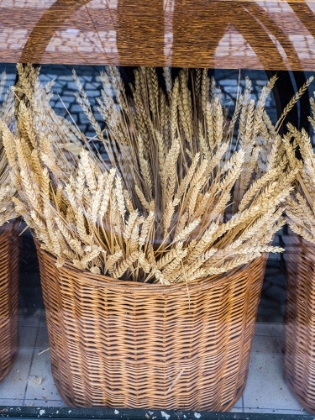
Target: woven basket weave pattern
[[123, 344], [300, 321], [9, 270]]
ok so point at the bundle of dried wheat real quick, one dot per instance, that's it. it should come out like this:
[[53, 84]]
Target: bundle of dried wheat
[[7, 187], [300, 208], [156, 212]]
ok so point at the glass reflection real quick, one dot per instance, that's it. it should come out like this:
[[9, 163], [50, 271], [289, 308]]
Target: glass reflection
[[226, 34]]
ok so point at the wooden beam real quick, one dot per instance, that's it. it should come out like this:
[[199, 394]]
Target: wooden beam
[[270, 35]]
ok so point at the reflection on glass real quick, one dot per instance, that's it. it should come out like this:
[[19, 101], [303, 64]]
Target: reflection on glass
[[218, 34], [229, 34]]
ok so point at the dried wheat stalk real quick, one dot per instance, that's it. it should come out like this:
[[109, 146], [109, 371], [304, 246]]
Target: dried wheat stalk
[[7, 187], [300, 208], [158, 211]]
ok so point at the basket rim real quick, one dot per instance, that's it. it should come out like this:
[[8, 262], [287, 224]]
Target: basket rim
[[101, 280], [302, 241], [9, 225]]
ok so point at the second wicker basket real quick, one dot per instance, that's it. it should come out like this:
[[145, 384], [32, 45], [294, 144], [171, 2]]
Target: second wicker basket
[[300, 321], [9, 270]]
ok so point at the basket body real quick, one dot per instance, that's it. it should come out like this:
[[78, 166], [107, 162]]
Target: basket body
[[9, 272], [300, 321], [128, 344]]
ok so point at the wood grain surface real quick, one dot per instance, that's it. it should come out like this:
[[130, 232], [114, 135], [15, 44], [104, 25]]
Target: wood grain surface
[[270, 35]]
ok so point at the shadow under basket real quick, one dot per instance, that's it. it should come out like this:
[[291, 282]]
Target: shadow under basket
[[124, 344], [300, 321], [9, 274]]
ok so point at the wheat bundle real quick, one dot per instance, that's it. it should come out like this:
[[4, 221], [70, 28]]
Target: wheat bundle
[[7, 186], [300, 208], [158, 208]]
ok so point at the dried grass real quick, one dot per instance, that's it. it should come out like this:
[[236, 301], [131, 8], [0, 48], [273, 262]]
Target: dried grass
[[300, 208], [173, 201], [7, 187]]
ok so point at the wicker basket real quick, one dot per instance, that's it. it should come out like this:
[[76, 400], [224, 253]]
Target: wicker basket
[[300, 321], [128, 344], [9, 271]]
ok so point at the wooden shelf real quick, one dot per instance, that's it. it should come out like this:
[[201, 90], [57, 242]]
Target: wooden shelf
[[270, 35]]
